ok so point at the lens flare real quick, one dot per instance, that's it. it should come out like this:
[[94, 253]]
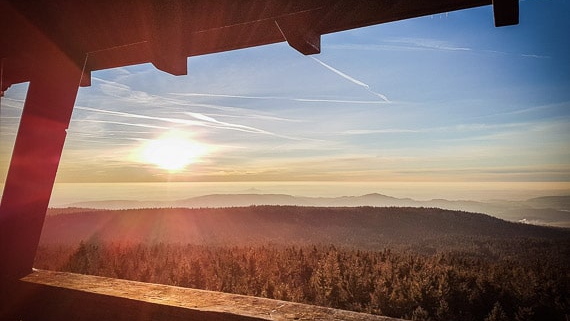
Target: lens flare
[[172, 152]]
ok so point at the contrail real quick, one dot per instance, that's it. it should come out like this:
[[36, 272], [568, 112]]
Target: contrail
[[120, 123], [214, 123], [12, 103], [379, 131], [223, 96], [256, 116], [113, 83], [340, 101], [137, 116], [316, 100], [202, 120], [351, 79]]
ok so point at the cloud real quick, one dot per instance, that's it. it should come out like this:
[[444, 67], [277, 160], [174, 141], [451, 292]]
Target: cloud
[[323, 100], [113, 88], [125, 92], [379, 131], [111, 83], [535, 56], [340, 101], [430, 44], [224, 96], [121, 123], [136, 116], [200, 120], [12, 103], [256, 116], [122, 91], [561, 106], [212, 122], [404, 44], [443, 129], [425, 44]]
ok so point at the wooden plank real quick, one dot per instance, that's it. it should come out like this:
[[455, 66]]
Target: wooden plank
[[128, 300]]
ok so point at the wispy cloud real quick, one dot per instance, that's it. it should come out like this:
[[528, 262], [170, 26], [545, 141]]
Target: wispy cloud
[[212, 122], [403, 44], [120, 123], [535, 56], [256, 116], [426, 44], [200, 120], [137, 116], [561, 105], [322, 100], [12, 103], [442, 129], [122, 91], [380, 131], [343, 101], [110, 82], [126, 93], [430, 44], [211, 95]]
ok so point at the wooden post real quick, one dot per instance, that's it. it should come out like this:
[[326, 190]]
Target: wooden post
[[33, 167]]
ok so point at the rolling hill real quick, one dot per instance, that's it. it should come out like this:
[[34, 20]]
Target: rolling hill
[[551, 210], [362, 227]]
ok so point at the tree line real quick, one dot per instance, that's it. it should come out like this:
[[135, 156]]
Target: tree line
[[524, 279]]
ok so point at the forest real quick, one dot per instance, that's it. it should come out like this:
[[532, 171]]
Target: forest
[[474, 276]]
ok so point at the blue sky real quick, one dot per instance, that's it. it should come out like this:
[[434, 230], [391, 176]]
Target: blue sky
[[443, 98]]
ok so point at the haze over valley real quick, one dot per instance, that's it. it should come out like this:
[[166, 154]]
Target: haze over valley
[[547, 210]]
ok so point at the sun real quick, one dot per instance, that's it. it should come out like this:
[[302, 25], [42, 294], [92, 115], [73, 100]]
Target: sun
[[172, 152]]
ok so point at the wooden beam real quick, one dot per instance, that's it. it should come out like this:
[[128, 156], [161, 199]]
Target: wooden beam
[[506, 12], [299, 33], [166, 36], [35, 159]]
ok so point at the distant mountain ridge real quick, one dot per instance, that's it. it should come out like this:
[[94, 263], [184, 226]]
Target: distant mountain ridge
[[555, 202], [362, 227], [550, 210]]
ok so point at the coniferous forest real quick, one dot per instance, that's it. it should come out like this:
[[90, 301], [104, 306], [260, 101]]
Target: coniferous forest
[[504, 275]]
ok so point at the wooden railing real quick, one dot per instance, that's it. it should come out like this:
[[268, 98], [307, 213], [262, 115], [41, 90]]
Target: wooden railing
[[48, 295]]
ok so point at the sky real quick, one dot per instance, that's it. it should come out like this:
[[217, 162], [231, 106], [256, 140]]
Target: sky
[[440, 99]]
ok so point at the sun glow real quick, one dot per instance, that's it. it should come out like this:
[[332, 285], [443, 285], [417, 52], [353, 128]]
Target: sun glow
[[172, 152]]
